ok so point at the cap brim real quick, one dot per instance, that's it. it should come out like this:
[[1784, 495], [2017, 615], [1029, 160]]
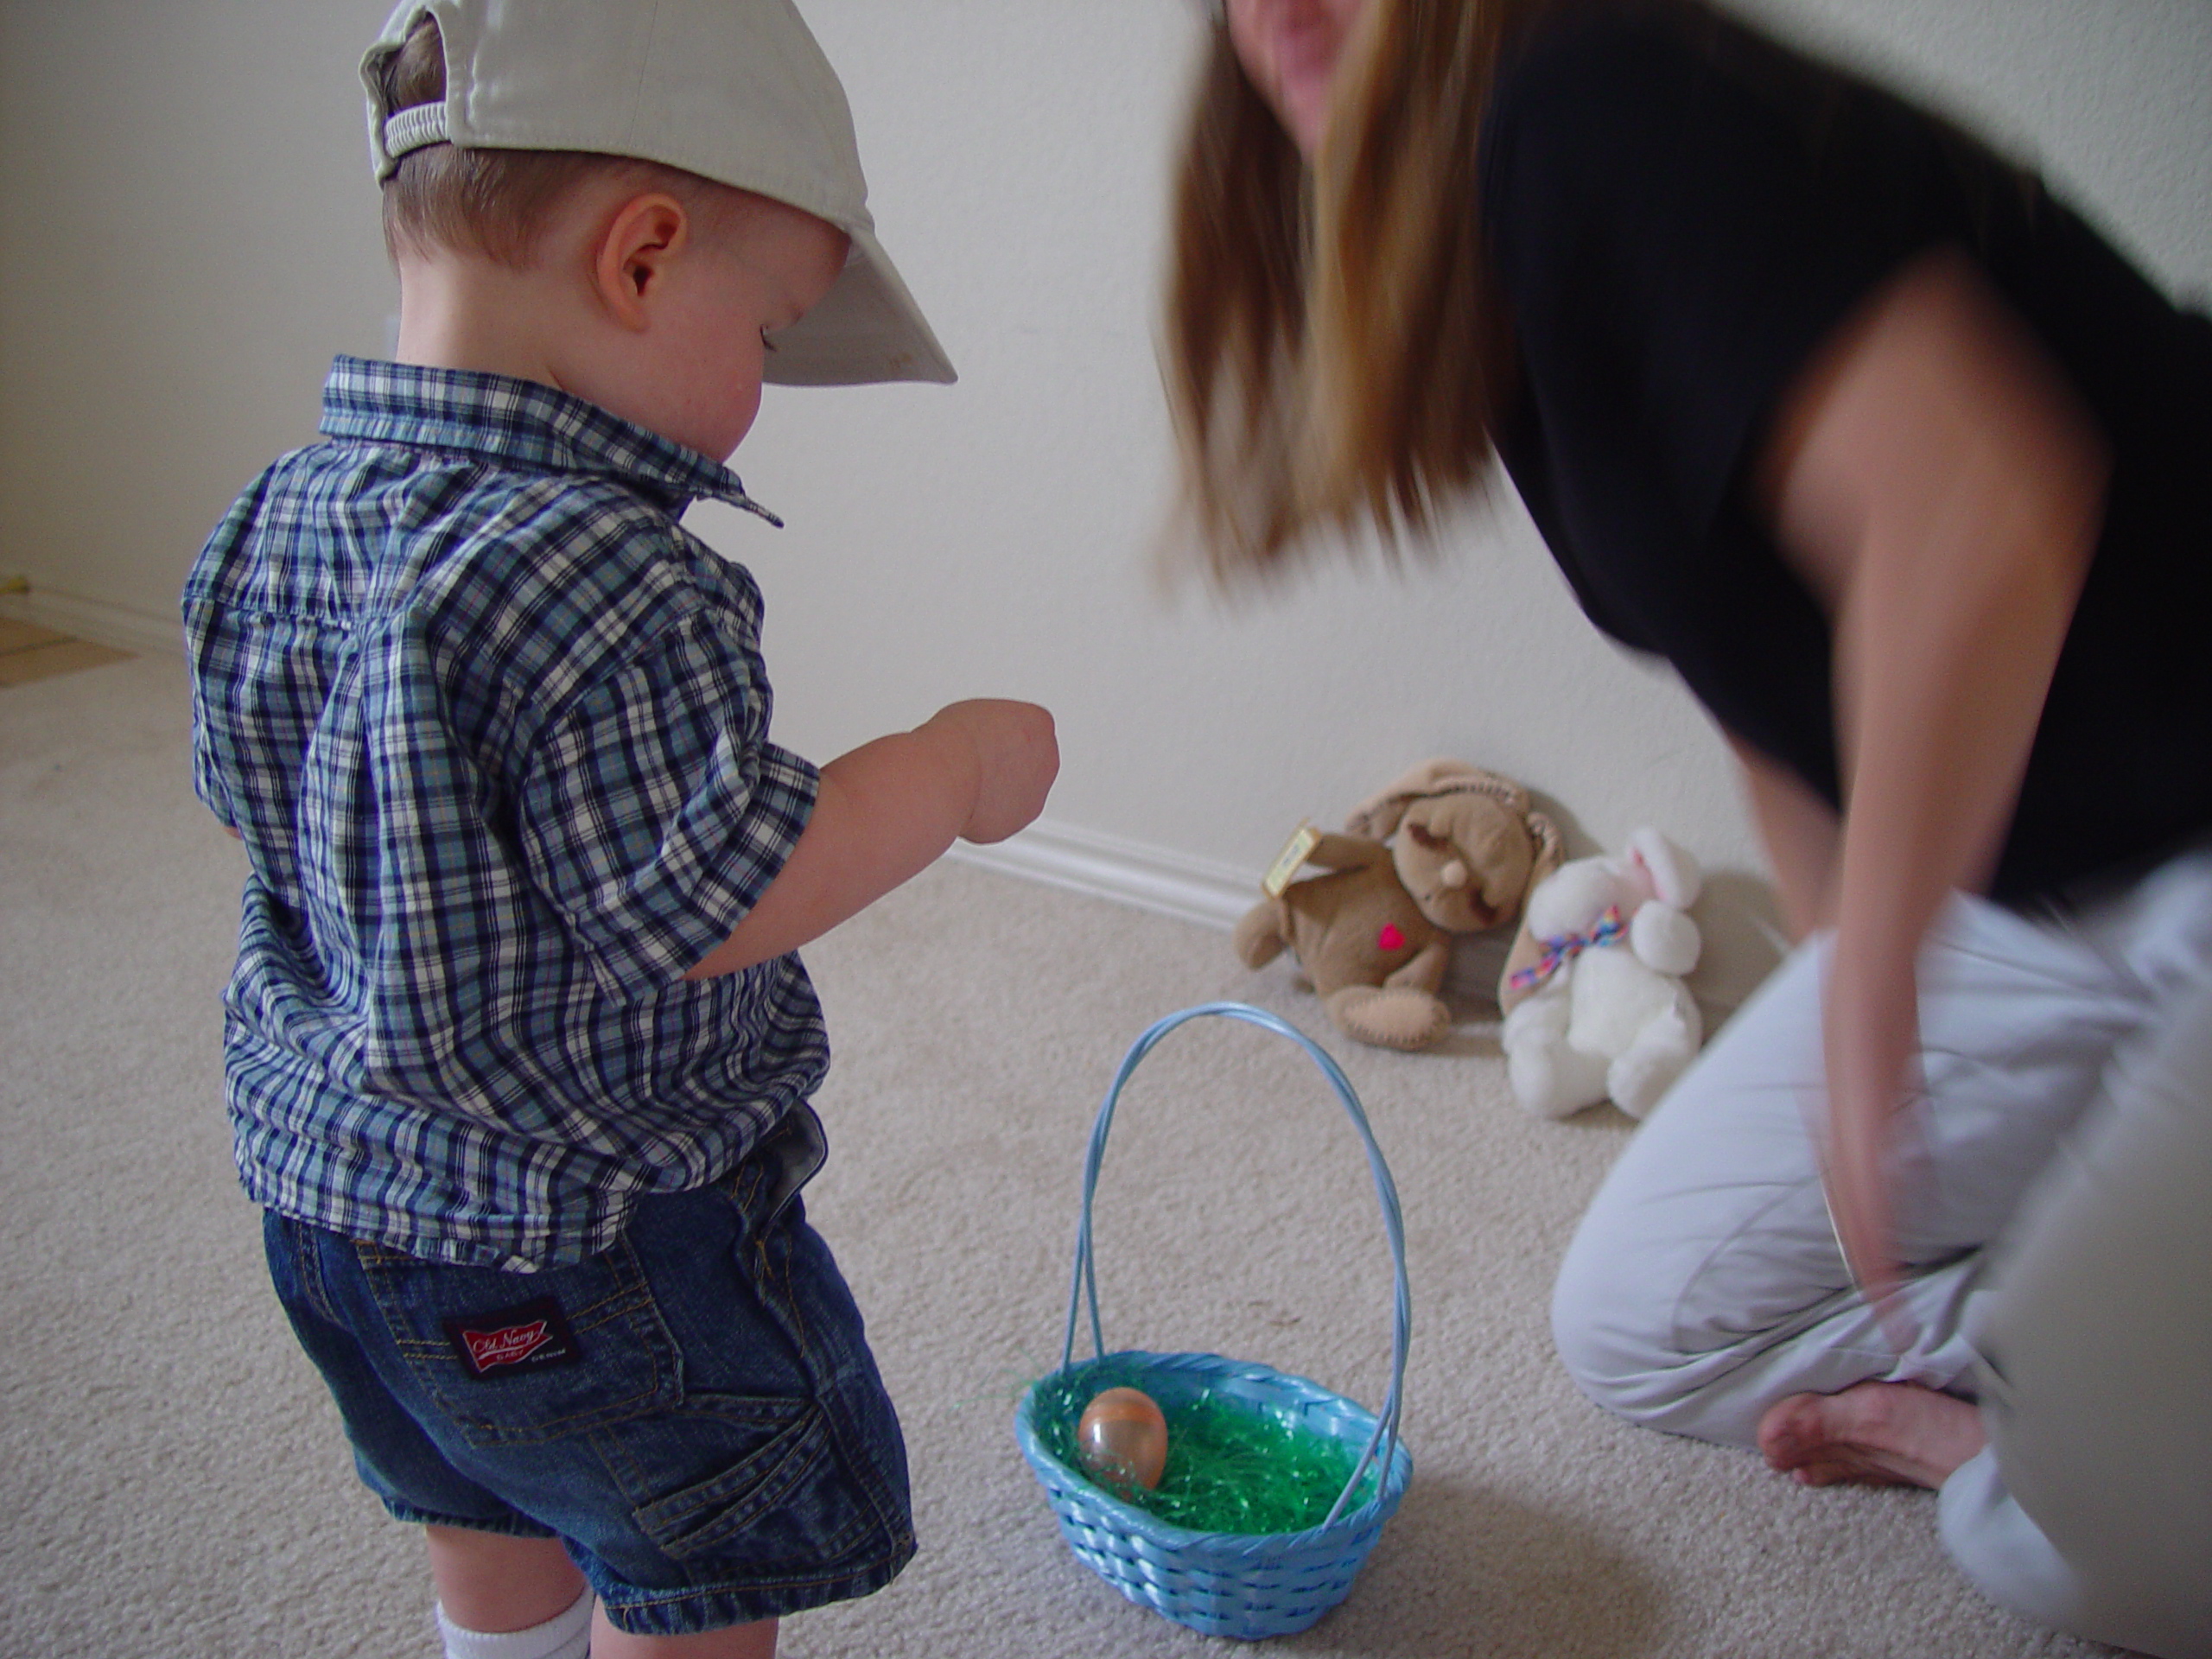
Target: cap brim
[[867, 328]]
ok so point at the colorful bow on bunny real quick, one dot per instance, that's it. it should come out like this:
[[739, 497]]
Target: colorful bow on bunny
[[1564, 948]]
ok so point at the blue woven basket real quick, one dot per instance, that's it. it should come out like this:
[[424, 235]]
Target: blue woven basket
[[1227, 1584]]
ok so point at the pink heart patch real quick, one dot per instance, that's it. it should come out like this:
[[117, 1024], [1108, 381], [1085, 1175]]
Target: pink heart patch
[[1389, 939]]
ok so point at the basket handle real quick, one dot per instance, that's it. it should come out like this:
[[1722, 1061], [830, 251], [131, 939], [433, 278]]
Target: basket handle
[[1384, 1440]]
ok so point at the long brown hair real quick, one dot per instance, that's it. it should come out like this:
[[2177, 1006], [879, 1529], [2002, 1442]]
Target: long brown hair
[[1334, 346]]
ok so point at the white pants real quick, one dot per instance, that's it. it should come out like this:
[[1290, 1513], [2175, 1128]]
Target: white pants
[[2055, 1214]]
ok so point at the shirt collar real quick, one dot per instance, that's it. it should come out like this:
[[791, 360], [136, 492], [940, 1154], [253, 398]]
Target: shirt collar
[[519, 421]]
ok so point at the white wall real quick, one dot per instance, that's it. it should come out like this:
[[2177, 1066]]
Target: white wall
[[188, 231]]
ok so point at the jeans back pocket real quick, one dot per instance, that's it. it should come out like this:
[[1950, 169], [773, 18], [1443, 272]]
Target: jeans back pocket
[[512, 1357]]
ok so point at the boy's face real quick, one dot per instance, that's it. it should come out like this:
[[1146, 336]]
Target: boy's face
[[750, 277]]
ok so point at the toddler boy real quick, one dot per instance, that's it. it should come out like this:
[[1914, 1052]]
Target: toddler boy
[[518, 1051]]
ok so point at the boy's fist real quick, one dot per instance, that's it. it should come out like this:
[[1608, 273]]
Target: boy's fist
[[1017, 757]]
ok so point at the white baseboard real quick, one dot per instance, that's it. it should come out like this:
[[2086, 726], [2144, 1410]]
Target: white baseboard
[[1107, 866], [1189, 889], [90, 618]]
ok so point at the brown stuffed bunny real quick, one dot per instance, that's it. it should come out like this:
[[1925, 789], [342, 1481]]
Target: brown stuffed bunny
[[1449, 849]]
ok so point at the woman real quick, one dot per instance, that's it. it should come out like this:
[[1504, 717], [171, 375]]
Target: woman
[[1902, 470]]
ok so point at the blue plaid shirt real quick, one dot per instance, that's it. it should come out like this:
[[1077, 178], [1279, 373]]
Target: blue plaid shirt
[[493, 728]]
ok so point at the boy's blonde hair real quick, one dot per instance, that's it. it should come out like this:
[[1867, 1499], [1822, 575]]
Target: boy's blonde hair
[[497, 202], [1336, 349]]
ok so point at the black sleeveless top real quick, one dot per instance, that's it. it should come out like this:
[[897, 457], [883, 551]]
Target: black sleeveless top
[[1679, 213]]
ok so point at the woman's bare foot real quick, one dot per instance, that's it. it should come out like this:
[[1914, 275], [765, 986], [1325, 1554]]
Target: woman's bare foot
[[1875, 1435]]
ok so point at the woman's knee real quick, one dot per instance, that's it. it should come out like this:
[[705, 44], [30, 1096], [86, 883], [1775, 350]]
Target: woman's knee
[[1690, 1265], [1613, 1324]]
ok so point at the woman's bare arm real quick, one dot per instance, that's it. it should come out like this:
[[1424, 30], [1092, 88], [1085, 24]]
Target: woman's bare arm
[[1800, 834], [1935, 478]]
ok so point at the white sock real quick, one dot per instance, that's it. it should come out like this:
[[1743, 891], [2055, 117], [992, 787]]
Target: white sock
[[564, 1636]]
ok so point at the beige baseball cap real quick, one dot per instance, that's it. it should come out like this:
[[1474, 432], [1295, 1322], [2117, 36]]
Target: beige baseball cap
[[736, 90]]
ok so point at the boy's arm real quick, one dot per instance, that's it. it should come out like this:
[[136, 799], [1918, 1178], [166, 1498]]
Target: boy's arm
[[884, 812]]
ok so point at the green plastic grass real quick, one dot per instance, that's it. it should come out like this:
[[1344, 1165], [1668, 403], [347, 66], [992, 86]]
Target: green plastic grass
[[1231, 1467]]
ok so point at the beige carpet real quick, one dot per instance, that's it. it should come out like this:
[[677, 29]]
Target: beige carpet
[[174, 1485]]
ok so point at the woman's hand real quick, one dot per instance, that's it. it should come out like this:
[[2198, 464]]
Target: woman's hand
[[1934, 479], [1870, 1031]]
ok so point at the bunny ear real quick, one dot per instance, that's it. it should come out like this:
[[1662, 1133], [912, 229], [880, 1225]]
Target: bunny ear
[[1457, 778], [1378, 814], [1376, 817], [1675, 875], [1551, 848]]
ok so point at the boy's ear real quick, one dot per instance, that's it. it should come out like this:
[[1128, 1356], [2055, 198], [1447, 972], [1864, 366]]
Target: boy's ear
[[633, 253]]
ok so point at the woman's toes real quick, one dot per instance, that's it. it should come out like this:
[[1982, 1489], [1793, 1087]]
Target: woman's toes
[[1792, 1431]]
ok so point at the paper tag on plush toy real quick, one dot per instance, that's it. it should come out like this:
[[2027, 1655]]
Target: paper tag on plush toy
[[1291, 860]]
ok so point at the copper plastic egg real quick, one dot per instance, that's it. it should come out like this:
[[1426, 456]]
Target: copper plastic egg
[[1123, 1439]]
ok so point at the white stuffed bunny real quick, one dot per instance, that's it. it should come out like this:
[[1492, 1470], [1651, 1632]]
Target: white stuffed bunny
[[1595, 1007]]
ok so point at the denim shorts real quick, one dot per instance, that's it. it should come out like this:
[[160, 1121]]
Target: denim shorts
[[693, 1413]]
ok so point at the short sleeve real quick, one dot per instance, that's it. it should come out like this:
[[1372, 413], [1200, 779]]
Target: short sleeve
[[207, 777], [654, 811], [1680, 213]]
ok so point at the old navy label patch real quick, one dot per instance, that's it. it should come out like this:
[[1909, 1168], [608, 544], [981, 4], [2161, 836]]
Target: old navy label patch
[[510, 1340]]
